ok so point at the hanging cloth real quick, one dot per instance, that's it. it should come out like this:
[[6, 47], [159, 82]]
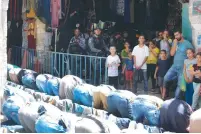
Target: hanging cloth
[[32, 27], [91, 16], [24, 6], [18, 9], [31, 34], [10, 9], [43, 11], [60, 10], [28, 6], [132, 2], [54, 9], [9, 55], [40, 32], [15, 10], [31, 13], [46, 8], [67, 10], [15, 33], [24, 61], [148, 17], [120, 7], [37, 64], [127, 11], [24, 34], [113, 5]]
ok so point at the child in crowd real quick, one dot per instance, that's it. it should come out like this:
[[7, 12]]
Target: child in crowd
[[128, 70], [151, 63], [113, 62], [188, 63], [195, 72], [162, 67], [124, 55], [165, 44], [166, 32], [125, 51]]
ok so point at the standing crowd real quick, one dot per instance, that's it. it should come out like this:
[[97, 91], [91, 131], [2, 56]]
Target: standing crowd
[[155, 61], [162, 59]]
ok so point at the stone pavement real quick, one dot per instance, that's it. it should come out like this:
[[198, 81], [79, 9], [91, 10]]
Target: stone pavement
[[140, 90]]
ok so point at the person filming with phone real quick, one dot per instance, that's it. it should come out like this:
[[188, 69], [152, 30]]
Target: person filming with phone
[[178, 50]]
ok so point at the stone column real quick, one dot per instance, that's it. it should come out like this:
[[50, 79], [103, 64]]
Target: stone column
[[43, 41], [3, 42]]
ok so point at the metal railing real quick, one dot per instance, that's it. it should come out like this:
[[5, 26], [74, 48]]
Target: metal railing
[[92, 69]]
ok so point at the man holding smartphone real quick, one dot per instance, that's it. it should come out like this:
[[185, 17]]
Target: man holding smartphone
[[178, 50]]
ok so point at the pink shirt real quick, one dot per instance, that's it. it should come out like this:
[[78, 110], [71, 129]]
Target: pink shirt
[[55, 11]]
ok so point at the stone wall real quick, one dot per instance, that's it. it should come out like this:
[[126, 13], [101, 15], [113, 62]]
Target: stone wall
[[3, 42]]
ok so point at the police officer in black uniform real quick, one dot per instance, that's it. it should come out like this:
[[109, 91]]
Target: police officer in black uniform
[[97, 45]]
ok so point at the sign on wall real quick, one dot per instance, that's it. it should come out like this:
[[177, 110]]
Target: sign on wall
[[196, 7], [199, 40], [195, 11], [195, 21], [196, 36]]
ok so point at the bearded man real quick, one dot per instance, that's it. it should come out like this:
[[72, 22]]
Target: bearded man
[[178, 50]]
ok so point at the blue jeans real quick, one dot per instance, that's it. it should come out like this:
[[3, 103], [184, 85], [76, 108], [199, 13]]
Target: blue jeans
[[122, 123], [29, 80], [41, 83], [82, 96], [143, 109], [196, 103], [119, 106], [10, 108], [175, 72], [46, 124], [144, 71], [14, 128], [189, 93], [53, 86]]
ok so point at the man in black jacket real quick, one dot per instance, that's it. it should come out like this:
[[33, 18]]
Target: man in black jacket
[[77, 46], [77, 43], [96, 44], [98, 47]]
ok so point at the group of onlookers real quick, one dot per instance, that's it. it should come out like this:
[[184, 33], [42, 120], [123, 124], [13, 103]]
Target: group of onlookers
[[162, 59], [88, 44], [154, 61]]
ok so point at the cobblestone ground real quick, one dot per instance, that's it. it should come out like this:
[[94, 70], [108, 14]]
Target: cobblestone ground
[[140, 90]]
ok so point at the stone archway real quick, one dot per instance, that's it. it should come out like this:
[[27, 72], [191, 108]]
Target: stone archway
[[3, 42]]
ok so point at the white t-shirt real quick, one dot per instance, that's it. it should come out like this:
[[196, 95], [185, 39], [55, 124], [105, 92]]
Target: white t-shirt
[[113, 61], [141, 53]]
